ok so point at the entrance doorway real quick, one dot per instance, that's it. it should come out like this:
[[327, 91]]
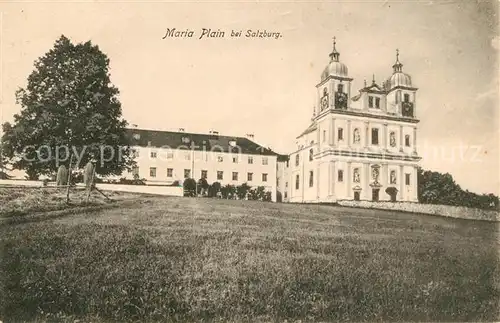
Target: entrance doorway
[[356, 196], [375, 193]]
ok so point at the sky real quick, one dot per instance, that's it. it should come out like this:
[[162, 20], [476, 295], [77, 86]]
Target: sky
[[266, 86]]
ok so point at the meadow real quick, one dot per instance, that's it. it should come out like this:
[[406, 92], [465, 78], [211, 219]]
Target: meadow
[[206, 260]]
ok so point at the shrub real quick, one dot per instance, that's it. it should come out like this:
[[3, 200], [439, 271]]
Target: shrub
[[189, 187]]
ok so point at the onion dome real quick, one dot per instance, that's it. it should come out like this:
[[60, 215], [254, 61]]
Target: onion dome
[[399, 78], [334, 68]]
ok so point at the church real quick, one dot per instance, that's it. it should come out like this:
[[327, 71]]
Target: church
[[358, 146]]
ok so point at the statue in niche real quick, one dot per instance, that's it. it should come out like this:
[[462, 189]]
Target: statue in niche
[[324, 100], [356, 175], [393, 177], [392, 139], [375, 174], [357, 137]]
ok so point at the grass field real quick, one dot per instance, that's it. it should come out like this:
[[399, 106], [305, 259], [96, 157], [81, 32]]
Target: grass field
[[188, 259]]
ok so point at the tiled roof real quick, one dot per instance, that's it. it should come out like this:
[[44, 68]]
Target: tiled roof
[[309, 129], [199, 142]]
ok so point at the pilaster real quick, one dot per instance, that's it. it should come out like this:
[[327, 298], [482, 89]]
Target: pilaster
[[401, 183]]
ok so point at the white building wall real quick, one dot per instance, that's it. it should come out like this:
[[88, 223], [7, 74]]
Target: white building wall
[[196, 161]]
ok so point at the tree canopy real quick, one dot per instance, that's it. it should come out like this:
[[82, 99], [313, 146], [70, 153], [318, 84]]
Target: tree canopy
[[68, 107]]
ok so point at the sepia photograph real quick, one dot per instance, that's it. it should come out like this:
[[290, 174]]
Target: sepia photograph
[[249, 161]]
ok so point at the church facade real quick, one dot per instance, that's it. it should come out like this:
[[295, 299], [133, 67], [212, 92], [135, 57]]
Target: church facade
[[358, 146]]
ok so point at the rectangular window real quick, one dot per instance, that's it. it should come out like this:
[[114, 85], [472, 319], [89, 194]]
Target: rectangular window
[[187, 173], [235, 160], [340, 134], [250, 159], [297, 160], [370, 101], [407, 141], [286, 195], [340, 88], [340, 175], [407, 179], [204, 174], [374, 136], [297, 185], [324, 135], [286, 184], [235, 176], [406, 97], [264, 177], [249, 177], [311, 178], [152, 171], [220, 175], [220, 159], [153, 154], [170, 172], [264, 161], [377, 103], [170, 155]]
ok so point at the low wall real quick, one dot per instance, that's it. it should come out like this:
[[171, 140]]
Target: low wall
[[433, 209], [20, 182], [147, 189]]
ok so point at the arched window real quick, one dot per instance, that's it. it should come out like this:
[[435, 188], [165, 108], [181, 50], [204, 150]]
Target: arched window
[[297, 182], [407, 140], [407, 97], [311, 152], [297, 160]]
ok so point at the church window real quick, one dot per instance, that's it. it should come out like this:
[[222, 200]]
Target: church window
[[377, 103], [341, 134], [340, 175], [297, 160], [407, 140], [340, 88], [407, 179], [407, 97], [324, 135], [264, 161], [152, 171], [297, 182], [374, 136], [235, 176], [370, 101], [311, 152], [311, 178]]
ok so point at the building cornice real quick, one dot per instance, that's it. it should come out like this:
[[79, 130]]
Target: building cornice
[[340, 78], [372, 155], [366, 115]]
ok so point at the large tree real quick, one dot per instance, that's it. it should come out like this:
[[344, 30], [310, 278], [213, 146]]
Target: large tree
[[69, 107]]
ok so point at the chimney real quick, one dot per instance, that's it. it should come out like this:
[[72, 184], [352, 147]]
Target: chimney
[[181, 129], [134, 125], [250, 135], [213, 132]]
